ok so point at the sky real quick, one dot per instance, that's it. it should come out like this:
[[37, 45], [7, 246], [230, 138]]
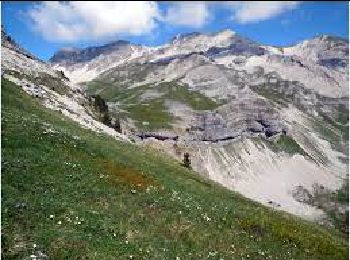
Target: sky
[[45, 27]]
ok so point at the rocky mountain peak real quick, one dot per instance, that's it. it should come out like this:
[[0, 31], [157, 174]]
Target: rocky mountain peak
[[331, 38], [323, 41], [8, 42], [117, 43], [68, 49], [327, 50], [224, 35], [74, 55], [184, 36]]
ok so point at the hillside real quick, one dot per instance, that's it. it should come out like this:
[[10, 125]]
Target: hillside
[[93, 143], [271, 123], [68, 192]]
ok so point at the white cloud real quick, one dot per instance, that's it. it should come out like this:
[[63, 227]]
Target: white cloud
[[77, 21], [190, 14], [74, 21], [249, 12]]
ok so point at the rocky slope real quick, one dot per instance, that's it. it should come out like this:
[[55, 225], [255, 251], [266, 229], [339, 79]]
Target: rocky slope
[[50, 86], [258, 119], [85, 64]]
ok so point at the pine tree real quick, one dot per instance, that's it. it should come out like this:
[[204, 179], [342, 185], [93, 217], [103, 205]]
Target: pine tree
[[187, 161]]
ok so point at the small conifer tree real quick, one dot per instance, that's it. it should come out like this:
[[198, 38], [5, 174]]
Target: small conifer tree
[[187, 161]]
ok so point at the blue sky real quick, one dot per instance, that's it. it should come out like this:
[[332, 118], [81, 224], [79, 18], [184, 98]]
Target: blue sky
[[43, 28]]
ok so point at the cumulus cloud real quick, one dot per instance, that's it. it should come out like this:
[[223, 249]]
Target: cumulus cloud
[[190, 14], [74, 21], [249, 12], [78, 21]]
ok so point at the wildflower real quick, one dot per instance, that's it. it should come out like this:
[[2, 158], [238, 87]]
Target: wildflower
[[206, 217]]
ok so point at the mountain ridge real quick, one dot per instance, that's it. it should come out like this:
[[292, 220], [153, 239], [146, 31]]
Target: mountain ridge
[[226, 45], [194, 34]]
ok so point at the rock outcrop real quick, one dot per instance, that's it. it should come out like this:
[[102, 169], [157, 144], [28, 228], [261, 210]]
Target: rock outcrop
[[50, 86]]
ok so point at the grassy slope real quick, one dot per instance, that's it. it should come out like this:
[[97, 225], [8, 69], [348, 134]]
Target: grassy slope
[[55, 83], [152, 110], [283, 144], [172, 212]]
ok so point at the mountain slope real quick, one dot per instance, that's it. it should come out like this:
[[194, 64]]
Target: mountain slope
[[260, 120], [86, 64], [70, 191], [75, 193], [321, 62], [50, 86]]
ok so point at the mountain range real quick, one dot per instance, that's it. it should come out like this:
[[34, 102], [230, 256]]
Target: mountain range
[[218, 94]]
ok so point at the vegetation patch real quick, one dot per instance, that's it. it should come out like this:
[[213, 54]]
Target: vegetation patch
[[152, 110], [284, 143], [273, 95], [121, 174], [58, 200], [183, 94], [289, 145], [54, 83], [339, 121], [333, 203], [154, 114], [329, 130]]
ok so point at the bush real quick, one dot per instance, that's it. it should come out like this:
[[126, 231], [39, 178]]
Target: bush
[[187, 161]]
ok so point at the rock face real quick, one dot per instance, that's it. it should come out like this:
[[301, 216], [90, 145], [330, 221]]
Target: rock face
[[85, 64], [235, 119], [9, 43], [323, 49], [70, 56]]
